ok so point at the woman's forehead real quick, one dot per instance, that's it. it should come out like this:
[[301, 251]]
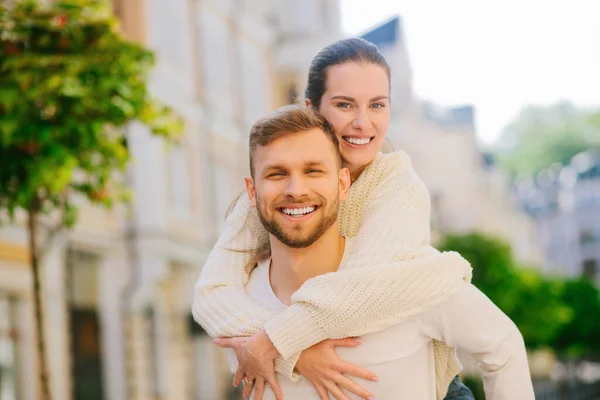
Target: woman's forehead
[[360, 78]]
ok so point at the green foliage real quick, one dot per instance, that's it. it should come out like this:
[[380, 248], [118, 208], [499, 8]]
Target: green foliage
[[542, 136], [69, 83], [580, 336], [564, 314]]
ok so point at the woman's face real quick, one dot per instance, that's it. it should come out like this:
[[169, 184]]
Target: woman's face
[[356, 103]]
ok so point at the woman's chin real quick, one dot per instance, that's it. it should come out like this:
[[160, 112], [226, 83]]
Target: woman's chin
[[358, 159]]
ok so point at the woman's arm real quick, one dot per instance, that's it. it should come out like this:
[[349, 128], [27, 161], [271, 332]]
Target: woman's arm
[[388, 213], [220, 302], [470, 321]]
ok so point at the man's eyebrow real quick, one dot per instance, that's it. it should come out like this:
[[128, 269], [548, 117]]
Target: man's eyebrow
[[273, 166], [313, 163]]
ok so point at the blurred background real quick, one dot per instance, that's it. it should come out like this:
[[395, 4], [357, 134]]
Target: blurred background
[[497, 104]]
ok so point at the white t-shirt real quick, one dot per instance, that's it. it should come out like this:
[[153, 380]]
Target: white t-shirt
[[402, 355]]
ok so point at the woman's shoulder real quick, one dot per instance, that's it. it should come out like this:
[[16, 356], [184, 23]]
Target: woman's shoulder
[[390, 164], [388, 169]]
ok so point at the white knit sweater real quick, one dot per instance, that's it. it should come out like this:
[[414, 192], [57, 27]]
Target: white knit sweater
[[391, 273]]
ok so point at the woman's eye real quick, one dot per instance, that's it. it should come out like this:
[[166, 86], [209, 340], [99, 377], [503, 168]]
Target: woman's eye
[[377, 105], [343, 105]]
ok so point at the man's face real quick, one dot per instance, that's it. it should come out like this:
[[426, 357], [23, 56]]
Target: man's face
[[297, 187]]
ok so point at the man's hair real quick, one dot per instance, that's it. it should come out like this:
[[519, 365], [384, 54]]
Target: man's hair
[[289, 120]]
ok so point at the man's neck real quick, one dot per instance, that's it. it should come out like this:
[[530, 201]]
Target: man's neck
[[291, 267]]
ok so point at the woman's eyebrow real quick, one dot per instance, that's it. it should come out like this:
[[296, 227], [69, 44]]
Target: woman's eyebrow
[[380, 98], [347, 98], [343, 98]]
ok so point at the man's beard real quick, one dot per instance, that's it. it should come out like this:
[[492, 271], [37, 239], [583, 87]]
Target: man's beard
[[288, 238]]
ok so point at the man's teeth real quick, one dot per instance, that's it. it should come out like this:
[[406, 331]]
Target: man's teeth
[[357, 140], [298, 211]]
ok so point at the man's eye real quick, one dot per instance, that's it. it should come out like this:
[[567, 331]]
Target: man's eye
[[315, 171], [275, 174]]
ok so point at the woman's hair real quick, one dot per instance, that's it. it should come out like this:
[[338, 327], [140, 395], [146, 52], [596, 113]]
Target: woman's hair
[[340, 52]]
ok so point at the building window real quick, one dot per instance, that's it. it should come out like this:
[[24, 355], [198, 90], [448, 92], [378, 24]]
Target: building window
[[86, 332], [587, 236], [179, 187], [590, 269]]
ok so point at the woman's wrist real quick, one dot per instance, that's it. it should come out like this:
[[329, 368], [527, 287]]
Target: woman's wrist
[[261, 347]]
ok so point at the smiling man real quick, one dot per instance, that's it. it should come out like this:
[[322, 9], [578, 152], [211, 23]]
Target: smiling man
[[297, 183]]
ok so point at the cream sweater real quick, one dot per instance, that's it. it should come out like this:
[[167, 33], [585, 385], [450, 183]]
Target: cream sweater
[[402, 356], [391, 273]]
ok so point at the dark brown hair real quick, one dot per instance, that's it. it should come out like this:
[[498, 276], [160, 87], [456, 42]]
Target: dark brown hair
[[285, 121], [340, 52]]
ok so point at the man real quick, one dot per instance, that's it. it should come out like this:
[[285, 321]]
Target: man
[[296, 186]]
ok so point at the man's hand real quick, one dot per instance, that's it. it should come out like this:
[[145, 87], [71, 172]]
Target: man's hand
[[322, 367], [256, 366]]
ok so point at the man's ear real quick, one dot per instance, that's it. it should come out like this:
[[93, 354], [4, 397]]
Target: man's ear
[[250, 190], [308, 103], [344, 183]]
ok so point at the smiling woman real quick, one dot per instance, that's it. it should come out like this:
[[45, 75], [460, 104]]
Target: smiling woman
[[349, 84]]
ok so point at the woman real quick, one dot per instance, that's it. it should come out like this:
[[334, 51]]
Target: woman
[[349, 84]]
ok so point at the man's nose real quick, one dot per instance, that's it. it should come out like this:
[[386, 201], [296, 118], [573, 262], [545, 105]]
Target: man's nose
[[297, 186]]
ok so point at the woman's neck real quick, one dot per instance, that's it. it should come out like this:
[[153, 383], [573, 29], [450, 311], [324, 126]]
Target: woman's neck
[[355, 173]]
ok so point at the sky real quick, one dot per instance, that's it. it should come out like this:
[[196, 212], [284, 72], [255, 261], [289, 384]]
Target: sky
[[497, 55]]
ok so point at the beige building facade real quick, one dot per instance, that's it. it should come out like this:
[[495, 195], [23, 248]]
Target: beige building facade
[[117, 288]]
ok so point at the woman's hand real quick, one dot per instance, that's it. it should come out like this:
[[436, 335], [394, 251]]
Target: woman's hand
[[256, 367], [321, 366]]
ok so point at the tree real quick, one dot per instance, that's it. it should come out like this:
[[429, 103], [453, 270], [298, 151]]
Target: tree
[[69, 85], [580, 335], [542, 136]]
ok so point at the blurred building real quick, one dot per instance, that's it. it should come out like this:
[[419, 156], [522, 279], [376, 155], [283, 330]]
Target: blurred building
[[117, 288], [565, 203], [467, 192]]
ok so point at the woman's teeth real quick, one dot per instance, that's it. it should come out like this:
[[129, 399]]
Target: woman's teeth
[[357, 140], [298, 212]]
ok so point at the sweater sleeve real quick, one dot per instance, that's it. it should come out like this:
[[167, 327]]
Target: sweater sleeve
[[220, 302], [390, 273], [471, 322]]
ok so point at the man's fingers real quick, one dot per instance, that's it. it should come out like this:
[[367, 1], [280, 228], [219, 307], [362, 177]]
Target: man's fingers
[[336, 391], [346, 342], [353, 387], [275, 386], [259, 389], [355, 370]]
